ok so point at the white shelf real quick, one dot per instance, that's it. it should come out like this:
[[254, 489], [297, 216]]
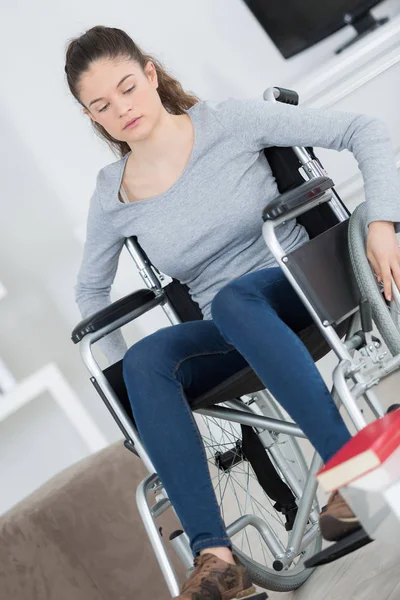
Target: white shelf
[[345, 72], [50, 379]]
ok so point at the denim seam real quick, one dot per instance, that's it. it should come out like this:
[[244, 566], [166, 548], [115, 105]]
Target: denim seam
[[192, 421], [196, 354], [200, 442]]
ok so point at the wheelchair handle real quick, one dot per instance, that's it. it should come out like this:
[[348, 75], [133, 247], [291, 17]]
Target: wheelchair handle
[[281, 95]]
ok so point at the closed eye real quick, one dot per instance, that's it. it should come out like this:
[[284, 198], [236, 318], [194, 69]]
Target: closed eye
[[126, 92]]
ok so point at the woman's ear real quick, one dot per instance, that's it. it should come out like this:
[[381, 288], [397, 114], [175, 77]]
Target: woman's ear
[[151, 73], [89, 114]]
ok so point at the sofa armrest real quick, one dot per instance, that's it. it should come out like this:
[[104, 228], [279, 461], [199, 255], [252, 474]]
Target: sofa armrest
[[300, 196], [138, 303]]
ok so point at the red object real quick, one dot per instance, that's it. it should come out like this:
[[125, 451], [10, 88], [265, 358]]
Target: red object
[[368, 449]]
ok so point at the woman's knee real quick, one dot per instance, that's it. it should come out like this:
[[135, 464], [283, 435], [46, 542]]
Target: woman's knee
[[146, 357], [137, 360], [154, 355]]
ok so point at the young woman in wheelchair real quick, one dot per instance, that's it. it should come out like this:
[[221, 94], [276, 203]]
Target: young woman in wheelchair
[[191, 183]]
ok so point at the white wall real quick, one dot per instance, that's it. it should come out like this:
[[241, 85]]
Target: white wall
[[49, 159], [214, 50]]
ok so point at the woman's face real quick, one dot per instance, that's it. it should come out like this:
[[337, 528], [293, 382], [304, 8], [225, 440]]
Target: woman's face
[[115, 92]]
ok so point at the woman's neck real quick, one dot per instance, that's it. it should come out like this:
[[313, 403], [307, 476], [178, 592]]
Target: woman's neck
[[166, 139]]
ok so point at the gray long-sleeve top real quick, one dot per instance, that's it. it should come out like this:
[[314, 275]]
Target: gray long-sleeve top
[[205, 230]]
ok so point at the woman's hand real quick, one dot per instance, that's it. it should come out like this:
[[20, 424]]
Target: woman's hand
[[384, 254]]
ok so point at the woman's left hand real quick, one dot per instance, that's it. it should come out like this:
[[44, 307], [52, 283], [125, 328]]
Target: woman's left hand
[[383, 252]]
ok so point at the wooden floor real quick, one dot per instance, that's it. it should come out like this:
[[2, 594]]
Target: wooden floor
[[371, 573]]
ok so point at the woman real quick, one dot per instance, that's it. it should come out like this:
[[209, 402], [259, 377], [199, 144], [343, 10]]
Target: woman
[[191, 184]]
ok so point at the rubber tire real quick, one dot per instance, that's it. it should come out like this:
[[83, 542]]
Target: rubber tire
[[277, 583], [366, 280]]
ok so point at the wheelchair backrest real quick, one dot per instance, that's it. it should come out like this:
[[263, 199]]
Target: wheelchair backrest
[[285, 167]]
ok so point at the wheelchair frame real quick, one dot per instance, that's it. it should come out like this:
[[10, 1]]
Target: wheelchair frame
[[237, 412]]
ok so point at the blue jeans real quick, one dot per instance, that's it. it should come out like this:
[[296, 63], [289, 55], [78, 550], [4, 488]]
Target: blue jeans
[[255, 320]]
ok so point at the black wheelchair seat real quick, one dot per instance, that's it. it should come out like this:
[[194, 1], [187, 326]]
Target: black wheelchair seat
[[242, 383]]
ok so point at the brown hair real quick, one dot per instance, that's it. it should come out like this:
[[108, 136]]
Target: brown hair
[[108, 42]]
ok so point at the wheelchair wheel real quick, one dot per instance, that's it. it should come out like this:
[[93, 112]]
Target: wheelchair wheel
[[386, 316], [239, 493]]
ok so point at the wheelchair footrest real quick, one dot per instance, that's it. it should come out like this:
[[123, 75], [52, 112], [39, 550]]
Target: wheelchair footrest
[[348, 544]]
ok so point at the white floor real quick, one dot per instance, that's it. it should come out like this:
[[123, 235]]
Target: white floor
[[371, 573]]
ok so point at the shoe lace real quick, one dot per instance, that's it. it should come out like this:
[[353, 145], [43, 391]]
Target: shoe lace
[[333, 496]]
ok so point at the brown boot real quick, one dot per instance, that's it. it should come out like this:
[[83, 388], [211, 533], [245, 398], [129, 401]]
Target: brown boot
[[215, 579], [337, 519]]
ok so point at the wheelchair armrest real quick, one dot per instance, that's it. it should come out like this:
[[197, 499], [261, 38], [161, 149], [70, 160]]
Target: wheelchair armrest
[[140, 301], [288, 201]]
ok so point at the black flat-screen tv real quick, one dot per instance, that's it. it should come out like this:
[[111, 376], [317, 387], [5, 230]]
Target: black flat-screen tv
[[294, 25]]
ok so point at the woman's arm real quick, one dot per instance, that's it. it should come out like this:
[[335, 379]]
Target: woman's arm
[[261, 124], [384, 254], [97, 272]]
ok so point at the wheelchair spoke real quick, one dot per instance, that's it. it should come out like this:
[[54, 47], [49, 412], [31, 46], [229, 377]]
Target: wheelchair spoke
[[255, 504], [261, 508], [246, 512], [221, 504], [244, 531], [226, 485], [238, 491], [240, 468]]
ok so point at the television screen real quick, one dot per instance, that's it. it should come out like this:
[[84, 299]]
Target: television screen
[[294, 25]]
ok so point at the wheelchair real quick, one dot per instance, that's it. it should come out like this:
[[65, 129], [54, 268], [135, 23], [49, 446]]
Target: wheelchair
[[264, 486]]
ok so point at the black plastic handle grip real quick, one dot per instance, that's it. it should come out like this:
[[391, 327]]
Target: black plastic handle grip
[[287, 96]]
